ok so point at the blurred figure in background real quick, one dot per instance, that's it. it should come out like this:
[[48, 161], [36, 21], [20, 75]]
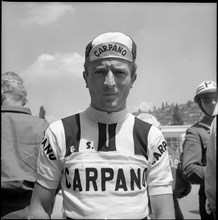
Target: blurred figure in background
[[196, 142], [210, 175], [22, 134], [150, 119], [181, 187]]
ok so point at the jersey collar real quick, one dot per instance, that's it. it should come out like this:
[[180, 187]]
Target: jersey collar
[[104, 117]]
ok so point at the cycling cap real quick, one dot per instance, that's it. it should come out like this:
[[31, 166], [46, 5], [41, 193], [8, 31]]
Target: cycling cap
[[149, 118], [111, 45], [205, 88]]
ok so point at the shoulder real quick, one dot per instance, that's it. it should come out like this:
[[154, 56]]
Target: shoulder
[[141, 124], [65, 124], [141, 128], [56, 125], [197, 128], [38, 122], [148, 131]]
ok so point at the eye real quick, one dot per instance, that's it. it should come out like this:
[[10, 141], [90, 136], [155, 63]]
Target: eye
[[208, 100], [98, 72], [120, 72]]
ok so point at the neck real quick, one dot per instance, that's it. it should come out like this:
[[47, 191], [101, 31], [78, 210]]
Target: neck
[[108, 111], [207, 119], [104, 117]]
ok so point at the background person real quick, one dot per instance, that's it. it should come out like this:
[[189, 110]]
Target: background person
[[181, 187], [105, 157], [210, 174], [150, 119], [196, 142], [22, 134]]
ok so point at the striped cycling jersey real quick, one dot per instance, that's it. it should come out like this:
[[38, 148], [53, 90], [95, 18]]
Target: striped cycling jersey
[[106, 164]]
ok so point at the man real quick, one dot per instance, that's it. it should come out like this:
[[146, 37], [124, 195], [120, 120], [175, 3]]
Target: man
[[210, 175], [22, 134], [196, 141], [106, 159]]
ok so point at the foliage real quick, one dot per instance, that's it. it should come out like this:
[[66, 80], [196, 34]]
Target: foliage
[[42, 112], [176, 117], [179, 114]]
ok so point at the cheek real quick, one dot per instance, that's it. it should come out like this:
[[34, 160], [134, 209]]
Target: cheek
[[209, 108], [93, 82], [95, 87], [127, 84], [125, 88]]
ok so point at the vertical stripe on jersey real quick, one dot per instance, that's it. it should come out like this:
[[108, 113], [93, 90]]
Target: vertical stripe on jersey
[[72, 133], [101, 135], [140, 134], [106, 138]]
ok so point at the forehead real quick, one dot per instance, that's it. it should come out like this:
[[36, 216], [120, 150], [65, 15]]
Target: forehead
[[214, 94], [110, 62]]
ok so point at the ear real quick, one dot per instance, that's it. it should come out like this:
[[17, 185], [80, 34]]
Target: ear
[[133, 77], [85, 76], [26, 101]]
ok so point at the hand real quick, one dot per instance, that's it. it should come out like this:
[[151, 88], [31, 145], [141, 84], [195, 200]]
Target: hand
[[207, 207], [186, 191]]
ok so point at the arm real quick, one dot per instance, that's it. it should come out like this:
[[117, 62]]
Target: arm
[[210, 174], [41, 201], [162, 206], [192, 155], [49, 172], [160, 178]]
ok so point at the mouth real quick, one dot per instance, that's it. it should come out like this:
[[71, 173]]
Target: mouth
[[109, 95]]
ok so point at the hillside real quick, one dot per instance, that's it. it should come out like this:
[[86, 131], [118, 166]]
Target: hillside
[[186, 114]]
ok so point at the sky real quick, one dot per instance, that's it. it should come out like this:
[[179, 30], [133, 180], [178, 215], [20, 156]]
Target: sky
[[45, 42]]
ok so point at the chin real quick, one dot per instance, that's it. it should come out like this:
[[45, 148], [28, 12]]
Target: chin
[[113, 108]]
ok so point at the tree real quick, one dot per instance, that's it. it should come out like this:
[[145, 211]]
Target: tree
[[188, 104], [177, 119], [162, 106], [42, 112]]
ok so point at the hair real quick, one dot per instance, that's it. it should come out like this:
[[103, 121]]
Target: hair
[[13, 86]]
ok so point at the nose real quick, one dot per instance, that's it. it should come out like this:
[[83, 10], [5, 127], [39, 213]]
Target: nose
[[214, 101], [109, 80]]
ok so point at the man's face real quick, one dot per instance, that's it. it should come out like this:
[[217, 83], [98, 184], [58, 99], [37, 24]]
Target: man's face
[[208, 102], [109, 82]]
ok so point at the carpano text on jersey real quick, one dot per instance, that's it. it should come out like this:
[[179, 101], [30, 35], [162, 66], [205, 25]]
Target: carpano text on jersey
[[92, 178]]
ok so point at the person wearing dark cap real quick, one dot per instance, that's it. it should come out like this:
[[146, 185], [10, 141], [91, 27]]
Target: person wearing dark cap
[[108, 161], [196, 142], [21, 136]]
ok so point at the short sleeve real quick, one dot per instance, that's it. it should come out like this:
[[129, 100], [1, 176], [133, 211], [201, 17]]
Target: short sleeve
[[160, 175], [49, 166]]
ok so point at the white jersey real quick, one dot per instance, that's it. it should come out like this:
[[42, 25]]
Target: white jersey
[[107, 163]]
